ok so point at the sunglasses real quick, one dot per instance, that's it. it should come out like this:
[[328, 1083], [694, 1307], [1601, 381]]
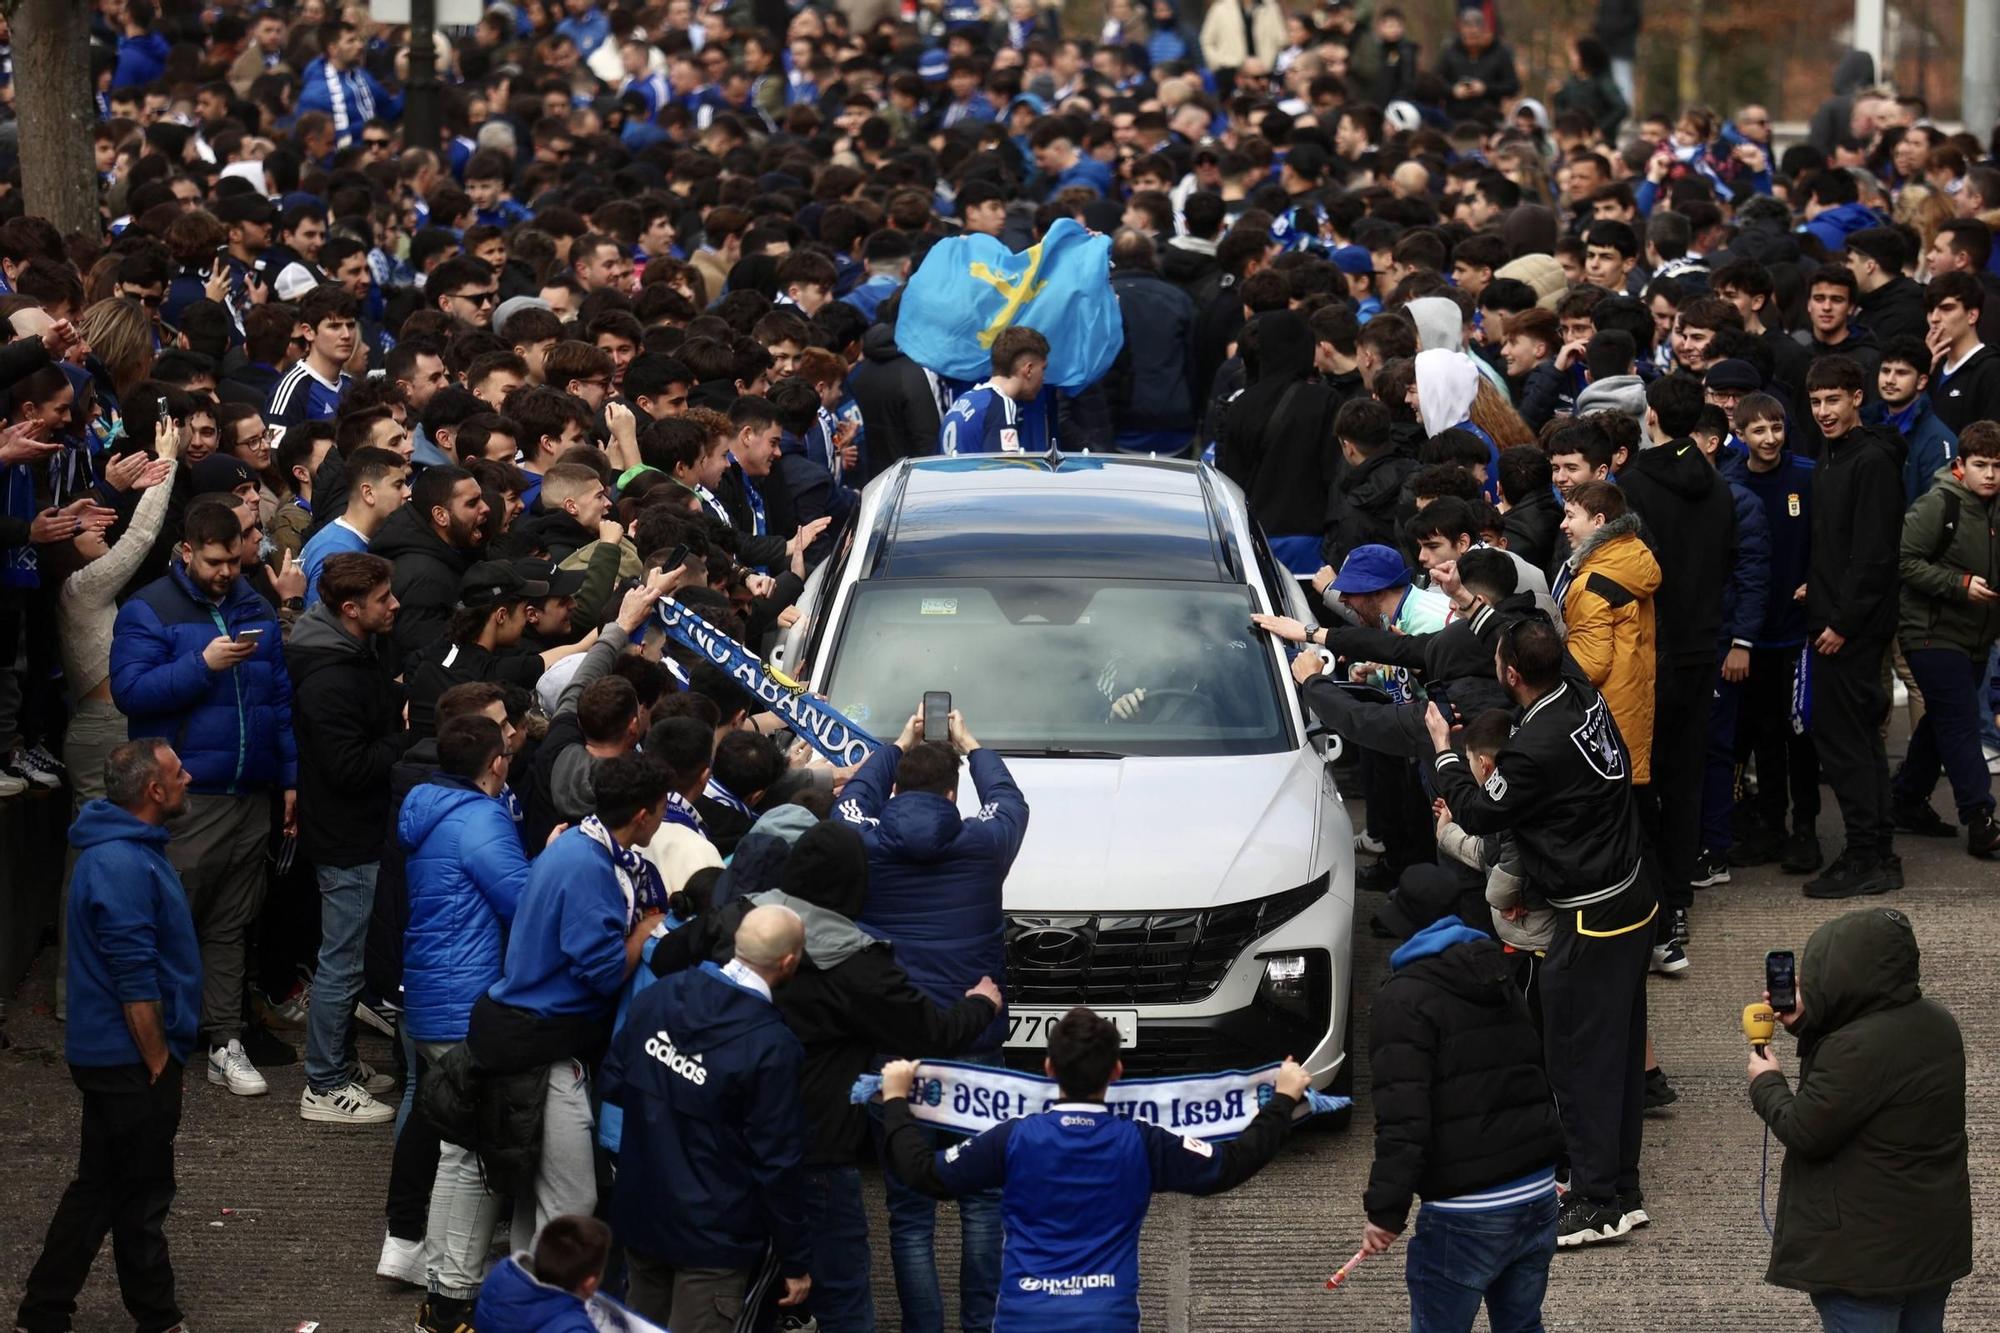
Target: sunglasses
[[487, 297], [374, 143]]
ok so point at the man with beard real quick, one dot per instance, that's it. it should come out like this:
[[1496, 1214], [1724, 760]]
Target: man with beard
[[431, 540]]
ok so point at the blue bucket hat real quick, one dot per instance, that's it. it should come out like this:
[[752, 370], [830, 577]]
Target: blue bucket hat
[[1371, 569]]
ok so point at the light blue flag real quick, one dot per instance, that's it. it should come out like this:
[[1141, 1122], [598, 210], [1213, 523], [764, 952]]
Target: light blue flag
[[972, 287]]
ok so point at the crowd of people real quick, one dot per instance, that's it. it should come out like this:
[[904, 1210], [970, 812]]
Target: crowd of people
[[1632, 464]]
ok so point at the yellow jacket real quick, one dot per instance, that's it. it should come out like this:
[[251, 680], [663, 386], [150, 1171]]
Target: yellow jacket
[[1607, 603]]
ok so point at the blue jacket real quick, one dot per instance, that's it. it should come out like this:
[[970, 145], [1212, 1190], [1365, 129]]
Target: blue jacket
[[513, 1301], [1746, 596], [232, 729], [708, 1076], [1931, 444], [1785, 493], [141, 59], [352, 97], [566, 951], [465, 871], [1834, 226], [131, 938], [934, 878], [868, 296]]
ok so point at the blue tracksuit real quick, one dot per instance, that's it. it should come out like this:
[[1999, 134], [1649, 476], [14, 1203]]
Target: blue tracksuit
[[1075, 1184], [982, 420], [1785, 492], [131, 939]]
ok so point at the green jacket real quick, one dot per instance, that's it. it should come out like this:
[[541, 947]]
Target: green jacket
[[1876, 1198], [1936, 613]]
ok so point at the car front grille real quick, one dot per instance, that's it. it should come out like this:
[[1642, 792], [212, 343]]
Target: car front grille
[[1145, 958]]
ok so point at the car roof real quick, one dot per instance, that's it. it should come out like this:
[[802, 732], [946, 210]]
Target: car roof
[[1050, 515]]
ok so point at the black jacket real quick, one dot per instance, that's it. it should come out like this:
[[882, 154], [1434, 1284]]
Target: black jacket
[[899, 409], [1459, 656], [1185, 266], [779, 521], [1690, 523], [428, 570], [347, 711], [1971, 393], [1493, 67], [1278, 444], [1540, 395], [248, 383], [1562, 786], [1895, 309], [1461, 1103], [1367, 506], [1533, 529], [1148, 383], [553, 533], [1852, 574], [392, 887]]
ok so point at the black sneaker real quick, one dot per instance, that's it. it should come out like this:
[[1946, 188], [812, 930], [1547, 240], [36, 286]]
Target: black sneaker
[[1833, 881], [264, 1049], [1377, 878], [1659, 1092], [1760, 849], [1802, 853], [1917, 817], [1889, 867], [1633, 1208], [444, 1314], [1858, 876], [1677, 925], [1710, 870], [1982, 836], [1585, 1222]]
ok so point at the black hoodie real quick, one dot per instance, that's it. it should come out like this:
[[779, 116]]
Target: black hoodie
[[1971, 393], [1367, 506], [1853, 574], [900, 413], [1894, 310], [1278, 444], [1690, 524], [428, 570], [348, 712]]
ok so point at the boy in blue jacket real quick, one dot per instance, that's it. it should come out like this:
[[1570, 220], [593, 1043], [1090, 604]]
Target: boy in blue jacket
[[134, 1016], [551, 1290]]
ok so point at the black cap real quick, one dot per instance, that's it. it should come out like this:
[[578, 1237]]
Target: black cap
[[245, 208], [219, 474], [492, 583], [561, 582]]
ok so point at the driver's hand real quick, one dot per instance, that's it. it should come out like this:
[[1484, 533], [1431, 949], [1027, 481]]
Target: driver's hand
[[1126, 706]]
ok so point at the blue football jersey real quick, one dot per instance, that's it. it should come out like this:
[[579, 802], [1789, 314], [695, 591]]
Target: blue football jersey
[[299, 395], [982, 420]]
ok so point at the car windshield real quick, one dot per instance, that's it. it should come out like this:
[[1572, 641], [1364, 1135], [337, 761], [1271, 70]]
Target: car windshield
[[1041, 666]]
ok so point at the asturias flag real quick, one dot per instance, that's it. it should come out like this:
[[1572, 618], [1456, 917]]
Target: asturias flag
[[972, 287]]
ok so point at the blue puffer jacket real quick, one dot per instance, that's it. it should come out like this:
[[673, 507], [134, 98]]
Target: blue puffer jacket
[[232, 729], [466, 871], [934, 878], [512, 1300]]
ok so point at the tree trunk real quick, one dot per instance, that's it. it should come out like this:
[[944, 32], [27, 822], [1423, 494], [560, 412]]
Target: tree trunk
[[1693, 52], [52, 98]]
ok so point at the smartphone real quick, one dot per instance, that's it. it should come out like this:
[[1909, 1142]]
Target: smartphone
[[937, 715], [249, 635], [676, 558], [1781, 978], [1440, 696]]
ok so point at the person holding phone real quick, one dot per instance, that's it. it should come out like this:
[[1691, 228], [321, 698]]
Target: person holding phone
[[1874, 1216]]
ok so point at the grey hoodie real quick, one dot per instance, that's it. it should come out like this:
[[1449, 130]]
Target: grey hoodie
[[831, 939], [1615, 393]]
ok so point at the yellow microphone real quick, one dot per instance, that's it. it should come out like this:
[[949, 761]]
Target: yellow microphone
[[1759, 1023]]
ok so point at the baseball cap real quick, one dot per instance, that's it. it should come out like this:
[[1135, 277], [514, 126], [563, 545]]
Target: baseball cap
[[219, 474], [1731, 373], [933, 65], [1371, 569], [1352, 259], [492, 583], [561, 582]]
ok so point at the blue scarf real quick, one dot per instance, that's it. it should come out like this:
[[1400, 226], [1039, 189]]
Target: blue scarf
[[721, 795], [636, 877], [680, 810]]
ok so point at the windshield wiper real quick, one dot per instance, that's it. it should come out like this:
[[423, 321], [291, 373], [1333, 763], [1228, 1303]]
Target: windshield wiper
[[1059, 752]]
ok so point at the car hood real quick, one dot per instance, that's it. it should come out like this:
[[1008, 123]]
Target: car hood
[[1149, 834]]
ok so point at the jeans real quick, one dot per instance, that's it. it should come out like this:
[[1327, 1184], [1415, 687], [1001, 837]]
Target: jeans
[[1989, 700], [346, 901], [459, 1229], [124, 1185], [566, 1179], [1457, 1261], [1920, 1312], [413, 1163], [912, 1231], [1947, 739], [841, 1299]]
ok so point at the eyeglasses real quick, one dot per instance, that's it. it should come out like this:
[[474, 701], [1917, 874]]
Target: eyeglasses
[[374, 143], [487, 297]]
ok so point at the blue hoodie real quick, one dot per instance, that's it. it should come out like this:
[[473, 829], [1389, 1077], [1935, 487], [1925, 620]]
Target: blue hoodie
[[1434, 939], [934, 877], [566, 952], [1930, 443], [141, 59], [131, 938], [708, 1075], [511, 1300]]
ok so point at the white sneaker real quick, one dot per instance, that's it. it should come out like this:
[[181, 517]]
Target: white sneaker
[[350, 1105], [21, 766], [11, 785], [1992, 759], [375, 1084], [382, 1019], [230, 1067], [401, 1261], [1367, 842]]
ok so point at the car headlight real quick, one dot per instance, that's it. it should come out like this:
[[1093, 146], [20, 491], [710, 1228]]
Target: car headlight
[[1295, 984]]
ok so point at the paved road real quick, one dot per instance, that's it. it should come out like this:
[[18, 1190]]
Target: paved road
[[306, 1199]]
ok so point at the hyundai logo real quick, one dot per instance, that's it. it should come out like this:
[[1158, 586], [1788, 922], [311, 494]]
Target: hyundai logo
[[1051, 946]]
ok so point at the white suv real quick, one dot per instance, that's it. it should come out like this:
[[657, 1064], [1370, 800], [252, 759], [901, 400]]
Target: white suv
[[1188, 869]]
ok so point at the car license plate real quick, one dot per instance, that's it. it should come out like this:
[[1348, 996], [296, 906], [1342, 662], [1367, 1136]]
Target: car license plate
[[1031, 1027]]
